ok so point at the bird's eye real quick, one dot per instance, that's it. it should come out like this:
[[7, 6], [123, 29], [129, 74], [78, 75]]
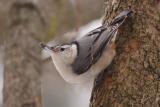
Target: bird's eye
[[62, 49]]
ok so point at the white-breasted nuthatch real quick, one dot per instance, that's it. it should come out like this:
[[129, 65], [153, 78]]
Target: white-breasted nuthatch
[[86, 57]]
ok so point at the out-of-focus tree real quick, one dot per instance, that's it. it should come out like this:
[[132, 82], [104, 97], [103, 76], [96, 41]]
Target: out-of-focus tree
[[26, 23], [23, 65], [135, 81]]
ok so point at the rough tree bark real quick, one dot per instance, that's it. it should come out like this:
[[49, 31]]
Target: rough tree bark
[[22, 71], [135, 81]]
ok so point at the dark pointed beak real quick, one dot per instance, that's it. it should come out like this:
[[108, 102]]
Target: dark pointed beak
[[46, 47], [43, 46]]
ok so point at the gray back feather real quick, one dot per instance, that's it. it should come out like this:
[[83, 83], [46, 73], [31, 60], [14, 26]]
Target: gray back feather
[[92, 45]]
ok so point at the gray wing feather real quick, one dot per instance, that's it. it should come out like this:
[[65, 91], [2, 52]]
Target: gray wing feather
[[92, 45], [90, 49], [84, 58]]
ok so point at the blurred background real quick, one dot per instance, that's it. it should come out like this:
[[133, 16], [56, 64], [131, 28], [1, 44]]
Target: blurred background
[[58, 21]]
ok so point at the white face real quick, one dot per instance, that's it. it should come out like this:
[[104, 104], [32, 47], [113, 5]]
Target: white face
[[65, 53]]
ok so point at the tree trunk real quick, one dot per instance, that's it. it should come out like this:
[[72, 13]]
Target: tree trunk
[[135, 78], [22, 71]]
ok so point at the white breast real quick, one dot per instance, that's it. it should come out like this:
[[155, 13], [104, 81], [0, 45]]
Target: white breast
[[68, 75]]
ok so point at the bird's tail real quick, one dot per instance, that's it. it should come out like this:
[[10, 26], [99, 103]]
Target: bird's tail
[[119, 19]]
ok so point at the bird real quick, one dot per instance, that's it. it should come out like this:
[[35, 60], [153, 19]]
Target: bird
[[84, 58]]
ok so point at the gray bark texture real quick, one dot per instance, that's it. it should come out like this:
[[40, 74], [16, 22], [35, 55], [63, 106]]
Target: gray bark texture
[[22, 71], [135, 78]]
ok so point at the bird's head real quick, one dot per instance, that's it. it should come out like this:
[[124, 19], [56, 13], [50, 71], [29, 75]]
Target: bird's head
[[62, 53]]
